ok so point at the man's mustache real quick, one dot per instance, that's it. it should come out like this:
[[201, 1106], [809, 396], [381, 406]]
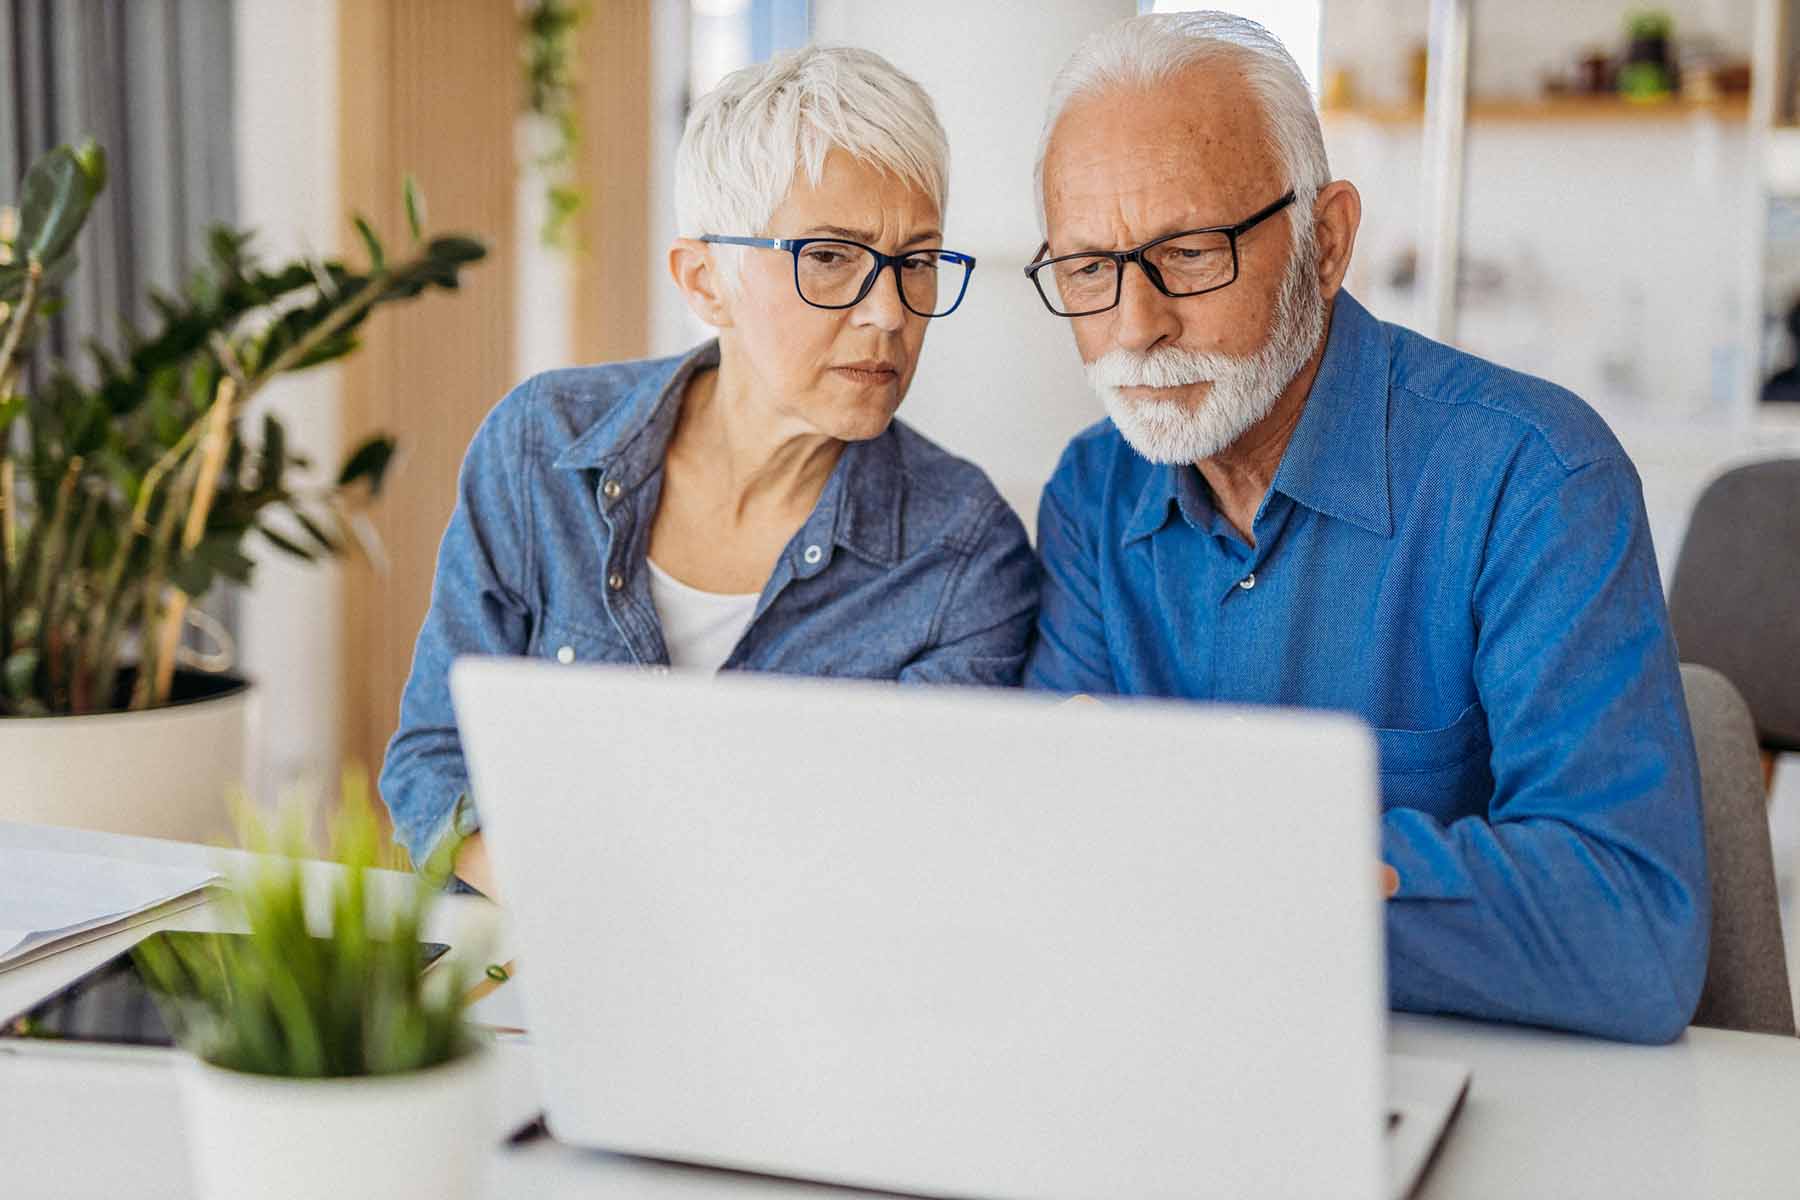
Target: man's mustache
[[1169, 367]]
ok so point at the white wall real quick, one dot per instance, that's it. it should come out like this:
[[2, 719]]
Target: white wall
[[672, 327], [1603, 255], [287, 154], [1000, 381]]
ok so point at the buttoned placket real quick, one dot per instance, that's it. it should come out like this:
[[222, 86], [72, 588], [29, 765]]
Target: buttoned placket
[[624, 594]]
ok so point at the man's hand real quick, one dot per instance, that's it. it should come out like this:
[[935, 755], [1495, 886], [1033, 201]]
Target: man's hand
[[471, 865], [1390, 882]]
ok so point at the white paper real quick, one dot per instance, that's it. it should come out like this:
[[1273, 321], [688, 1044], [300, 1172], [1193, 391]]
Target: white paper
[[46, 896]]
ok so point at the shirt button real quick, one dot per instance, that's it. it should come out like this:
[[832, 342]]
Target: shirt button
[[1248, 581], [611, 489], [813, 555], [565, 655], [615, 581]]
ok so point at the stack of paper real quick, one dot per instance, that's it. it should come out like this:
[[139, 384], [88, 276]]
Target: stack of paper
[[50, 901]]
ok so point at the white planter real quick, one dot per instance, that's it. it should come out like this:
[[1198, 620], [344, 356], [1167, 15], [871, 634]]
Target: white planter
[[166, 773], [423, 1133]]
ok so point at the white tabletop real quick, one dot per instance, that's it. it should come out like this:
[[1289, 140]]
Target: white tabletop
[[1547, 1115]]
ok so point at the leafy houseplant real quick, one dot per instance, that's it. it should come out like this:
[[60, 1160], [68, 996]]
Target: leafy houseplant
[[324, 1064], [286, 1003], [128, 484], [547, 46]]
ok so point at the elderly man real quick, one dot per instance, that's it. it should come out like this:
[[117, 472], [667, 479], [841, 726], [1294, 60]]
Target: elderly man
[[1294, 503]]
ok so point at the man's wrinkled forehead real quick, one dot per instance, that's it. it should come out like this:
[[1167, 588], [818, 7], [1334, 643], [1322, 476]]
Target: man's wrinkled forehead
[[1189, 152]]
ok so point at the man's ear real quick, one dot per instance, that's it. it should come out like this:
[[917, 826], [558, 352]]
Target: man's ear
[[702, 285], [1337, 214]]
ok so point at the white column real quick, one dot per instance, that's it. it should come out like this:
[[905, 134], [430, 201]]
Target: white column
[[291, 630], [1000, 381]]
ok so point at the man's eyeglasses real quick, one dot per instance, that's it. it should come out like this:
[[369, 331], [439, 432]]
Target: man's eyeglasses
[[1188, 263], [833, 273]]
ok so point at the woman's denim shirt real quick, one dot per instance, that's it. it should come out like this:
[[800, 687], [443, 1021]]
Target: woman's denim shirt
[[911, 566]]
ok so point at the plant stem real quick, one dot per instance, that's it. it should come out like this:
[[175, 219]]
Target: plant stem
[[212, 460], [6, 551], [19, 321], [21, 318], [103, 636], [143, 692], [372, 292], [69, 561], [49, 559]]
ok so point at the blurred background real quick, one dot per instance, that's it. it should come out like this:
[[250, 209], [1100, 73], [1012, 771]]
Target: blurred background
[[1602, 193]]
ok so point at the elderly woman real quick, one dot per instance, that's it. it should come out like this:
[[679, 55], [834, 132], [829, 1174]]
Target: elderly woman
[[752, 504]]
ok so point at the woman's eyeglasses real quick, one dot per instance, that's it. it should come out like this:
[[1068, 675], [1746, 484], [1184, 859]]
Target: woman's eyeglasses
[[834, 273]]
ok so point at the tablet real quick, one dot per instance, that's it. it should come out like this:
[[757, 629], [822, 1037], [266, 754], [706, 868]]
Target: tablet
[[113, 1005]]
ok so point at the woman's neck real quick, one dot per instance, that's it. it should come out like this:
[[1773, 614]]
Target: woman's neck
[[748, 453]]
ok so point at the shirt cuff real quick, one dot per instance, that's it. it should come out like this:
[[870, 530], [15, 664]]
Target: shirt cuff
[[1420, 851], [464, 820]]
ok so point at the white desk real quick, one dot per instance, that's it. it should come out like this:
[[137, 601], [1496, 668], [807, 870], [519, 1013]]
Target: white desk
[[1549, 1115]]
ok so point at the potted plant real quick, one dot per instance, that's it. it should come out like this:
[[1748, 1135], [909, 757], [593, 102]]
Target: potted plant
[[131, 483], [324, 1061]]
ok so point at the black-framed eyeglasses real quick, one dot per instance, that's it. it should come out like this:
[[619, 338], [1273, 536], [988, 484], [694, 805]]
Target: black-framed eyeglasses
[[1189, 263], [834, 273]]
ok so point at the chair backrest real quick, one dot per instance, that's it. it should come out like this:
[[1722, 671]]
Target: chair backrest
[[1735, 600], [1746, 974]]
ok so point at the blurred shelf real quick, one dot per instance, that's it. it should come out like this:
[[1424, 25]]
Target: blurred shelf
[[1558, 109]]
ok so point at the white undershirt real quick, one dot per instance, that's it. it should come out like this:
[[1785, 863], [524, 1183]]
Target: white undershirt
[[700, 629]]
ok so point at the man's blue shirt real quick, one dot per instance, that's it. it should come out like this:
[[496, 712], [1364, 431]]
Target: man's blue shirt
[[1458, 554]]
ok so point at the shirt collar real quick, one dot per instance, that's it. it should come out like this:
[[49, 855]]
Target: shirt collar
[[1336, 461], [629, 441], [859, 509]]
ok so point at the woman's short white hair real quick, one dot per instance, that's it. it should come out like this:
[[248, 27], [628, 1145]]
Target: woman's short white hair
[[1143, 52], [748, 138]]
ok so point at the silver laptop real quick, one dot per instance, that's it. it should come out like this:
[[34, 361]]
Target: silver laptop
[[972, 944]]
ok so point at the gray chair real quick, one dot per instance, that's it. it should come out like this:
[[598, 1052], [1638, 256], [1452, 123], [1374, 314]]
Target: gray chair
[[1735, 599], [1746, 975]]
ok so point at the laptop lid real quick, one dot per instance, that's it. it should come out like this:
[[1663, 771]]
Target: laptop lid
[[936, 941]]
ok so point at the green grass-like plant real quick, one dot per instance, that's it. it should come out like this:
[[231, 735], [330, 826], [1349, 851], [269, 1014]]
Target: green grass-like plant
[[284, 1002]]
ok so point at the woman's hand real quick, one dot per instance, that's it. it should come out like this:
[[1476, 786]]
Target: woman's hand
[[472, 867]]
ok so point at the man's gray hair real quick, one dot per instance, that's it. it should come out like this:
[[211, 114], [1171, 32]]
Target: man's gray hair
[[1144, 52], [747, 139]]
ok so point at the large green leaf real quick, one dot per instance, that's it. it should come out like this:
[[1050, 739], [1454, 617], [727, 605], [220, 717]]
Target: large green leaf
[[19, 672], [217, 556], [415, 207], [371, 243], [456, 249], [271, 461], [54, 200], [368, 463], [286, 544], [12, 281], [317, 532]]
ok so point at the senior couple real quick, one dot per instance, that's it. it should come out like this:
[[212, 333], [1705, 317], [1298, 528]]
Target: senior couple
[[1290, 503]]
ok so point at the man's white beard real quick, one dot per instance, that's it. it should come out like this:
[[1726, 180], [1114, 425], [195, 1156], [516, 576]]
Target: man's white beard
[[1243, 389]]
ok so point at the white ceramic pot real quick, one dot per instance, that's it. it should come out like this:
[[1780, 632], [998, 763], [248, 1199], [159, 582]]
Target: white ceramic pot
[[423, 1133], [167, 772]]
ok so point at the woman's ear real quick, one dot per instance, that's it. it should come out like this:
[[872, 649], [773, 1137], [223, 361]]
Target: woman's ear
[[702, 285]]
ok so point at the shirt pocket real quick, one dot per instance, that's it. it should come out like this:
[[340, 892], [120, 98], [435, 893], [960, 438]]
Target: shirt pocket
[[1441, 771]]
